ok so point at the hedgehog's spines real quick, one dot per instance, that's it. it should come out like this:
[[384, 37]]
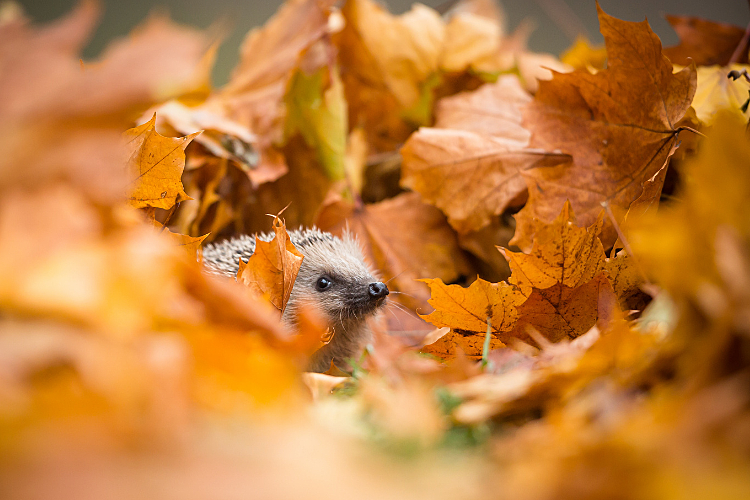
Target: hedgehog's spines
[[223, 258]]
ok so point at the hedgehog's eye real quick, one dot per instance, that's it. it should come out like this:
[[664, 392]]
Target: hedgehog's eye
[[323, 283]]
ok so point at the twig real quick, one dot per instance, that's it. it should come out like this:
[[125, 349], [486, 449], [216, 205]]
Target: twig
[[742, 47], [565, 18], [168, 217]]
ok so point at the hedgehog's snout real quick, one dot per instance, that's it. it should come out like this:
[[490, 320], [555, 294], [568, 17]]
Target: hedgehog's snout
[[377, 290]]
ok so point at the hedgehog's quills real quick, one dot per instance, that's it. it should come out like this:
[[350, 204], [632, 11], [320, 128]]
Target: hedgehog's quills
[[333, 277]]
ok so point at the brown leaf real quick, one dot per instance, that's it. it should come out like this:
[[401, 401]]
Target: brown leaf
[[471, 167], [704, 42], [562, 278], [493, 109], [647, 202], [156, 164], [618, 125], [271, 270], [561, 312]]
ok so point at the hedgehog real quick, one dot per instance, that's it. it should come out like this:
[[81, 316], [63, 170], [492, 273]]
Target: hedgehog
[[333, 277]]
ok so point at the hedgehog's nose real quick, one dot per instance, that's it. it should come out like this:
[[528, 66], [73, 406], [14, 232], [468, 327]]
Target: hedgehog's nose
[[377, 290]]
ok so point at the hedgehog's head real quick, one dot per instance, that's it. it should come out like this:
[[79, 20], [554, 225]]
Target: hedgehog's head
[[335, 278]]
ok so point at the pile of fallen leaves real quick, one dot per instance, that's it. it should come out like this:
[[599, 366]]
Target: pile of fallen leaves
[[569, 237]]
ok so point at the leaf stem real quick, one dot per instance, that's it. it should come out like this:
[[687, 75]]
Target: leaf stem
[[690, 129]]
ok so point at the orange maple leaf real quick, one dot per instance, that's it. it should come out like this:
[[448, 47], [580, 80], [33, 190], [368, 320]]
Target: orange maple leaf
[[560, 290], [156, 164], [273, 267], [562, 254], [469, 311]]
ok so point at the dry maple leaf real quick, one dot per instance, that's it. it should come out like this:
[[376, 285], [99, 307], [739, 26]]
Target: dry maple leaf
[[647, 202], [403, 237], [562, 254], [559, 289], [618, 125], [156, 164], [470, 310], [470, 167], [562, 278], [563, 312], [271, 270], [704, 42]]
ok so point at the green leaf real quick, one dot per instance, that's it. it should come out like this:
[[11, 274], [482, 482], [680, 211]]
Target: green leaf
[[317, 110]]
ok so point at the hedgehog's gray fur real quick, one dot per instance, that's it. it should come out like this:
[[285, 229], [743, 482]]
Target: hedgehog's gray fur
[[346, 304]]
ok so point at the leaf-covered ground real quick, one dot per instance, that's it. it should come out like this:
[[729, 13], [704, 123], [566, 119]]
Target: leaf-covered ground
[[569, 239]]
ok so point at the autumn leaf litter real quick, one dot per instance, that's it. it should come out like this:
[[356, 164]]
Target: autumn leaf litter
[[608, 358]]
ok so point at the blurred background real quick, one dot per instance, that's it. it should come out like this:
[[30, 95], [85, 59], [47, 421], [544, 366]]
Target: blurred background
[[557, 21]]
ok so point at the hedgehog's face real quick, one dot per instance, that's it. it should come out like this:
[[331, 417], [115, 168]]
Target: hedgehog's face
[[334, 277]]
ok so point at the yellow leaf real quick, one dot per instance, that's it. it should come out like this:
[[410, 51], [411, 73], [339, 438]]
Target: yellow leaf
[[697, 248], [156, 163], [716, 92], [581, 55], [469, 309]]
